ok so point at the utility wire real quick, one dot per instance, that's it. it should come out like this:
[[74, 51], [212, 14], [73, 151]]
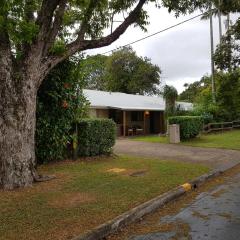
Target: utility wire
[[151, 35]]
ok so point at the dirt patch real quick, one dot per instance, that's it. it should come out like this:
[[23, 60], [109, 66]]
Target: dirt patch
[[69, 200], [136, 173], [116, 170], [128, 172]]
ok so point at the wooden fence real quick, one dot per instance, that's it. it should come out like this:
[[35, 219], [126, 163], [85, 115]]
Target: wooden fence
[[210, 127]]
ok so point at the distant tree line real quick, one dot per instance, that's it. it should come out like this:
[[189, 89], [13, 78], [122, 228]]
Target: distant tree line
[[227, 106], [226, 76]]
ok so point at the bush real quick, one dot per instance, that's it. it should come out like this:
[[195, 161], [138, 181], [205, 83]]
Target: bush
[[190, 126], [58, 108], [96, 137]]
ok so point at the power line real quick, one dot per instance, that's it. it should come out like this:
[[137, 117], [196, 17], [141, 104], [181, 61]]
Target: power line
[[151, 35]]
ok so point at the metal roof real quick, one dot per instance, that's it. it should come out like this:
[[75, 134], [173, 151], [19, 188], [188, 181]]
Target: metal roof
[[123, 101], [185, 106]]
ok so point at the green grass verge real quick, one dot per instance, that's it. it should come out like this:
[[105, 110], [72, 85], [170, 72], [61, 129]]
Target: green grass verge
[[153, 138], [228, 140], [85, 194]]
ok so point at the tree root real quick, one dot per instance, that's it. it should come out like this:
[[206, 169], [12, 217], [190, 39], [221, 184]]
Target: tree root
[[41, 178]]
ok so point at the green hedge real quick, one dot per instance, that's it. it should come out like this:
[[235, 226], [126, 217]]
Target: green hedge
[[96, 137], [190, 126]]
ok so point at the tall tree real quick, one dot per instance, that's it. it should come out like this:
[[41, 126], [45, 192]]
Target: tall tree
[[215, 11], [36, 35], [122, 71], [209, 15], [191, 91], [219, 20], [227, 54], [212, 61], [93, 72], [128, 73]]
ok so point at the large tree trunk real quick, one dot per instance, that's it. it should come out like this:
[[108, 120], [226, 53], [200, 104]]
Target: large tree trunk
[[17, 146], [17, 140], [17, 125]]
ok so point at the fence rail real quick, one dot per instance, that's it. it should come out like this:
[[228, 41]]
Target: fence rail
[[210, 127]]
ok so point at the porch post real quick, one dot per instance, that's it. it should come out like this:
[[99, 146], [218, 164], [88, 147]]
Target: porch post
[[124, 123], [144, 123]]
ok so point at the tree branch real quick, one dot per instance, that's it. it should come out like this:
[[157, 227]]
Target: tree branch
[[5, 46], [51, 35], [53, 32], [86, 19], [29, 16], [33, 54], [105, 41], [45, 17], [78, 45]]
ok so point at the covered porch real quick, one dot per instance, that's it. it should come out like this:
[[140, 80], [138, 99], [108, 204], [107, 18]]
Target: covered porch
[[137, 122]]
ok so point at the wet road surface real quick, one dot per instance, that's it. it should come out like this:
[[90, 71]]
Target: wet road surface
[[214, 214]]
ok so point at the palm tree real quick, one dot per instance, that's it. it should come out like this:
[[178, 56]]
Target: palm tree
[[212, 55], [220, 20], [215, 12], [228, 22], [209, 15]]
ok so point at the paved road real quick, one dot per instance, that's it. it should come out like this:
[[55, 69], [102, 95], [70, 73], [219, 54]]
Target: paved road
[[215, 158], [214, 214]]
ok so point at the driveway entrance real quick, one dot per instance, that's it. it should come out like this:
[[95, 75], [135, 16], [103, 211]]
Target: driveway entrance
[[214, 158]]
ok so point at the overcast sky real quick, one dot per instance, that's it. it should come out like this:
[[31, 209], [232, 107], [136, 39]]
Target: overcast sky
[[182, 53]]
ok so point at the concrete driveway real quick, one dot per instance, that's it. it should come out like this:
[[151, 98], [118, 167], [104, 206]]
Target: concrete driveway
[[214, 158]]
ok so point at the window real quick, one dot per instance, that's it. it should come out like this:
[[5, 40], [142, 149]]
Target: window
[[116, 116], [136, 116]]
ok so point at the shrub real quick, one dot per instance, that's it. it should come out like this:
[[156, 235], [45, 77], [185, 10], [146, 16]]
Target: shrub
[[190, 126], [96, 137], [58, 108]]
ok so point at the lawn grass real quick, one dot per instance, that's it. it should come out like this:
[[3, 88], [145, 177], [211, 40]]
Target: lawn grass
[[151, 138], [227, 140], [85, 194]]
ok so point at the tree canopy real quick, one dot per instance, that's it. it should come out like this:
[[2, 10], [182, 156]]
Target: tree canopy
[[122, 71], [128, 73], [56, 29], [191, 91], [93, 70], [227, 55], [227, 106]]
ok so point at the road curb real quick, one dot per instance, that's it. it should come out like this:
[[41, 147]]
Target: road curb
[[103, 230]]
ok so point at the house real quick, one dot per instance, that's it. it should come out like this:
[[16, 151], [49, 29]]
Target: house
[[133, 114]]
